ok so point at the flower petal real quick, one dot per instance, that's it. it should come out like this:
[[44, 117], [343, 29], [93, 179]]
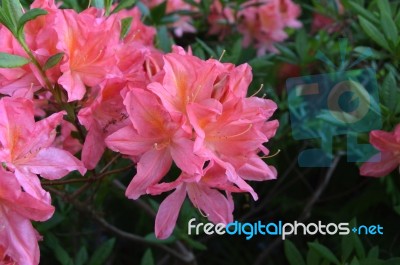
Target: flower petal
[[168, 212], [387, 164], [151, 168]]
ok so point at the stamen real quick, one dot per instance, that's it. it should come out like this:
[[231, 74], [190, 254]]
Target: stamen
[[222, 55], [237, 135], [271, 156], [258, 91]]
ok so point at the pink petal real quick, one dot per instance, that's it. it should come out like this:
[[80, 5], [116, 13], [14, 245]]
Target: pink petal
[[18, 237], [94, 146], [128, 142], [32, 208], [52, 163], [215, 205], [387, 164], [151, 168], [184, 158], [256, 169], [168, 212], [384, 141], [73, 84], [31, 185]]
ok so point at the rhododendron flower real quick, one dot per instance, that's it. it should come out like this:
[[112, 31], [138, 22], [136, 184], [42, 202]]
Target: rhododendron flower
[[264, 22], [18, 238], [182, 24], [157, 137], [89, 44], [196, 111], [26, 146], [220, 19], [388, 143]]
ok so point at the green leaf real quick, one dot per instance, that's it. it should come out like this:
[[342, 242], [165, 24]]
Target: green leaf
[[370, 53], [363, 12], [347, 247], [301, 43], [158, 12], [358, 246], [373, 33], [313, 257], [389, 91], [98, 3], [82, 256], [384, 6], [292, 254], [6, 21], [206, 48], [355, 261], [370, 261], [60, 253], [389, 27], [147, 258], [164, 41], [12, 61], [126, 24], [107, 5], [324, 252], [101, 255], [13, 10], [373, 253], [123, 5], [53, 61], [30, 15]]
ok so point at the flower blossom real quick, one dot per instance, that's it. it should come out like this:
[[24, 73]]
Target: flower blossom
[[26, 147], [18, 238], [388, 143], [195, 112], [264, 22], [182, 23]]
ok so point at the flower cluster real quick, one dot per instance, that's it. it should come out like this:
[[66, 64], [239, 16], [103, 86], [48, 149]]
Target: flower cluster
[[91, 82], [196, 112], [182, 23], [262, 23]]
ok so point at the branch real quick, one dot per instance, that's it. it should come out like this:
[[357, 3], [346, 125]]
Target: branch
[[306, 212], [185, 257]]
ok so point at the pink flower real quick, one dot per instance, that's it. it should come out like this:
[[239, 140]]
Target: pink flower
[[26, 146], [183, 23], [18, 238], [89, 44], [196, 111], [388, 143], [264, 22], [220, 19], [139, 32], [157, 138]]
